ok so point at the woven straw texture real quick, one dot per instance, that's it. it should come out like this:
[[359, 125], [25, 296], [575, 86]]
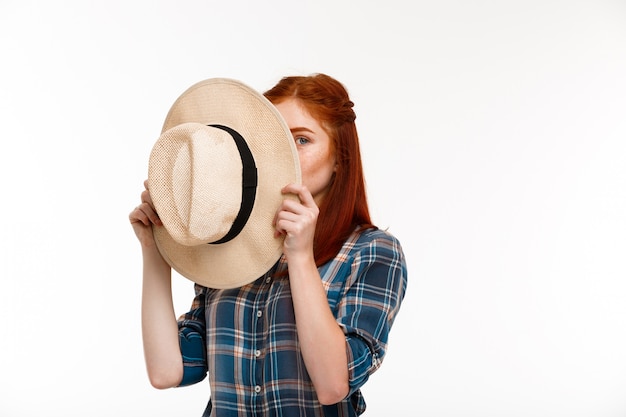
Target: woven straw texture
[[195, 182]]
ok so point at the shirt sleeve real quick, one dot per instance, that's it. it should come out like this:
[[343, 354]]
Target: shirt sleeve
[[377, 285], [191, 336]]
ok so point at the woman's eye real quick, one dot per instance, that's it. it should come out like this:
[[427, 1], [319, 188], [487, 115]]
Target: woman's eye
[[301, 140]]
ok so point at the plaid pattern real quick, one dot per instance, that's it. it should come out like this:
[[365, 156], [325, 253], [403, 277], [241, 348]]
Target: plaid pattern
[[246, 337]]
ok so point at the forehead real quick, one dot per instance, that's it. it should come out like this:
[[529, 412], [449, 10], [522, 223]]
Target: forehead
[[297, 115]]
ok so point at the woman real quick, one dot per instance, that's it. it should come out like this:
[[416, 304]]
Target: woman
[[303, 338]]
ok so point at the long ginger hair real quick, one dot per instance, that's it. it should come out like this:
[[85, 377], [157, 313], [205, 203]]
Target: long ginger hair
[[344, 207]]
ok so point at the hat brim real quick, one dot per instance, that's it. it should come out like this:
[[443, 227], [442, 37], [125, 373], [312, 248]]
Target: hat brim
[[255, 249]]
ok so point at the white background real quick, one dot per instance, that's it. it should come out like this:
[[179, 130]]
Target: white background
[[494, 142]]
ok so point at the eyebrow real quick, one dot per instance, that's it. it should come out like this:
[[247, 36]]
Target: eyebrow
[[300, 129]]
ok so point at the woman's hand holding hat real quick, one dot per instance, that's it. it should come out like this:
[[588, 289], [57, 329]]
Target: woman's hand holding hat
[[143, 217], [296, 221]]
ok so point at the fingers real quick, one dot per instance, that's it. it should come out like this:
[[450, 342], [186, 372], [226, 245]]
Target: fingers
[[145, 212], [286, 207], [285, 221], [145, 195], [302, 192], [295, 217]]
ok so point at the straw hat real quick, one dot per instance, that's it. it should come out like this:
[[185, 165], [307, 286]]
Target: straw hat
[[215, 177]]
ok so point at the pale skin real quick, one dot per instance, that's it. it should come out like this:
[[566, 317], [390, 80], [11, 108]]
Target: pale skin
[[322, 341]]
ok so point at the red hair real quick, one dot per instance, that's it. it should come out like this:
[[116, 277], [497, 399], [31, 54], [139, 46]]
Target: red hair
[[344, 207]]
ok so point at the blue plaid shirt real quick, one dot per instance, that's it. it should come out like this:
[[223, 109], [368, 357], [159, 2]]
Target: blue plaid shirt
[[246, 337]]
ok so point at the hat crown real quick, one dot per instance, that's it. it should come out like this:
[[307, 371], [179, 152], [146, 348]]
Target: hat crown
[[196, 187]]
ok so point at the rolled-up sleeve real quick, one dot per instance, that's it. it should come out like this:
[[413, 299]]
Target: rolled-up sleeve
[[191, 336], [366, 312]]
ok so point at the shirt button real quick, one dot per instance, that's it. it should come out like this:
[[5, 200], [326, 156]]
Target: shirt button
[[259, 313], [268, 279], [257, 353], [257, 389]]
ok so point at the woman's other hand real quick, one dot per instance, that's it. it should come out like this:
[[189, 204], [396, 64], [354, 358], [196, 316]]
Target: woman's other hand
[[296, 220], [143, 217]]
